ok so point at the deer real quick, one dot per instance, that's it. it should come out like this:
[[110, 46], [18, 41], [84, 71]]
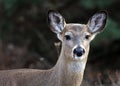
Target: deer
[[69, 69]]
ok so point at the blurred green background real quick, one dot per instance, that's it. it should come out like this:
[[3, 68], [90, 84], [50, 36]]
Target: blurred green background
[[27, 42]]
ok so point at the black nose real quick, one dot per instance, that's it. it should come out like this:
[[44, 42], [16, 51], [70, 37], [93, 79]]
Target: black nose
[[79, 51]]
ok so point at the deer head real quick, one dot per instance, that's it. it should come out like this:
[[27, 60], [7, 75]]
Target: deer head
[[76, 38]]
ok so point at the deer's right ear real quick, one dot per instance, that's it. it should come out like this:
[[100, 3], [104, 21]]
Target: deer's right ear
[[56, 21]]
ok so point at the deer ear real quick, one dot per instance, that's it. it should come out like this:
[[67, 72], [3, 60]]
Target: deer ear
[[97, 22], [56, 21]]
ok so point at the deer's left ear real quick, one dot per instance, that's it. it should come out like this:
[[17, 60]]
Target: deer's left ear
[[97, 22]]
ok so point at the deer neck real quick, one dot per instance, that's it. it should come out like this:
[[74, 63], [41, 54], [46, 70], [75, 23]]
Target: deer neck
[[70, 73]]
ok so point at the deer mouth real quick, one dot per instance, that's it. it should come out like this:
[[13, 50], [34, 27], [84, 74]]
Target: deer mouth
[[75, 57]]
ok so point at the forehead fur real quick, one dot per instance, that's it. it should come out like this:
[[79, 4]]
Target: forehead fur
[[75, 28]]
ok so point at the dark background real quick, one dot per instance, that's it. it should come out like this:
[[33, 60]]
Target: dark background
[[27, 42]]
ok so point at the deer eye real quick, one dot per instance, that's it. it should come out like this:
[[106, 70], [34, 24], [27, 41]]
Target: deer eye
[[87, 36], [67, 37]]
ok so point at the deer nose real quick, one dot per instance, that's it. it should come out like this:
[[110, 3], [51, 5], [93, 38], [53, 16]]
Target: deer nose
[[78, 51]]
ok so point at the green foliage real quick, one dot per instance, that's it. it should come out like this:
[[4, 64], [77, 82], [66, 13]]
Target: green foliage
[[90, 4], [37, 1], [10, 6]]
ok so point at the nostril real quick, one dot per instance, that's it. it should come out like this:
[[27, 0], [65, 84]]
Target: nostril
[[79, 51]]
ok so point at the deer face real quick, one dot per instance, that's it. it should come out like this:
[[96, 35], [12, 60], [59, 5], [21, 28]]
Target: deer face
[[76, 38]]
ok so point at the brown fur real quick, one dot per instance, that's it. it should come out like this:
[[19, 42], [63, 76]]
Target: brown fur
[[68, 70], [59, 75]]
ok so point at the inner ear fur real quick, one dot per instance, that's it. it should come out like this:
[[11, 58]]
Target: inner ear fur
[[97, 22], [56, 21]]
